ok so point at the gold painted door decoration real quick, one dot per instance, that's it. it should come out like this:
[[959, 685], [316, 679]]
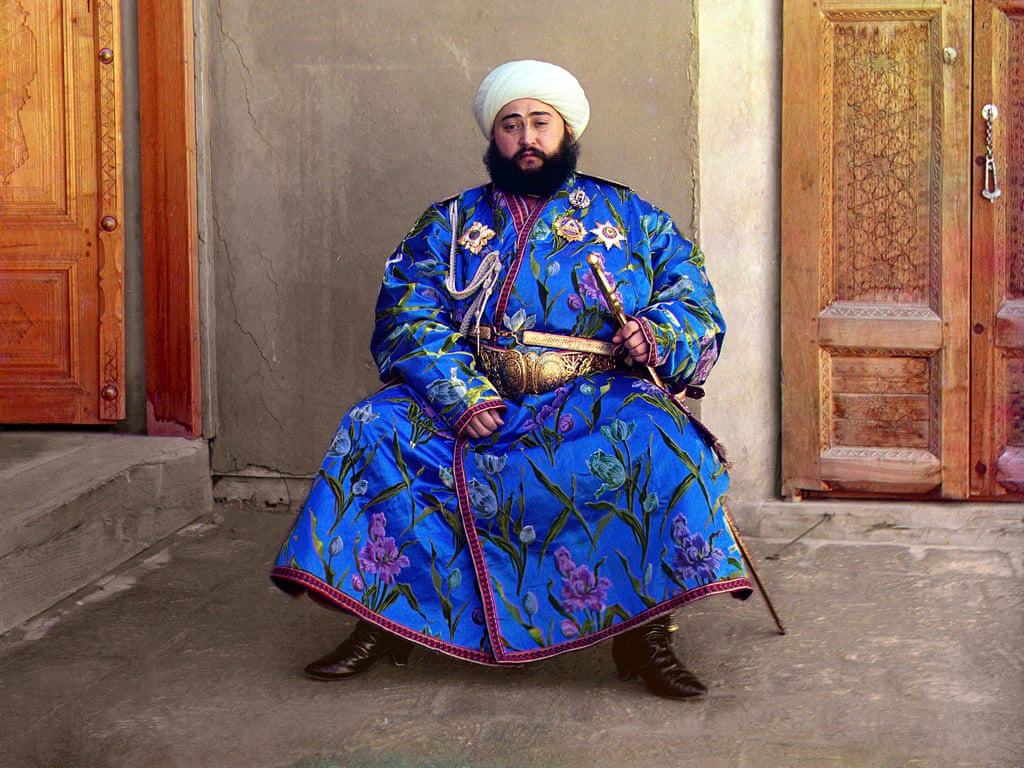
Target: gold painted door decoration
[[61, 211], [886, 373]]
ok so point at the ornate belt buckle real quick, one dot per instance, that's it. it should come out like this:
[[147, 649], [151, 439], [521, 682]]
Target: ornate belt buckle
[[515, 373], [505, 368], [549, 371]]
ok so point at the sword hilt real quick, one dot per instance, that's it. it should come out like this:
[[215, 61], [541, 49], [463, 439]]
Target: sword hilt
[[615, 305]]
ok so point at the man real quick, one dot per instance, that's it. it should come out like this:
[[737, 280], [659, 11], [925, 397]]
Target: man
[[519, 487]]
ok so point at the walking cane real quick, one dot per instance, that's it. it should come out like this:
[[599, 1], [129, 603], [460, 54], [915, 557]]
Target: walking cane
[[615, 305]]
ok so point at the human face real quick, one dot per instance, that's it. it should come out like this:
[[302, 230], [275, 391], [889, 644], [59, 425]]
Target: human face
[[527, 132], [535, 182]]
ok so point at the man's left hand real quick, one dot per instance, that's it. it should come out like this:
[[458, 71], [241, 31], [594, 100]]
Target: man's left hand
[[632, 339]]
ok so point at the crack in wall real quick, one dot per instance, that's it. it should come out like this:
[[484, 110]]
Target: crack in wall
[[242, 329], [247, 78], [271, 272], [231, 295]]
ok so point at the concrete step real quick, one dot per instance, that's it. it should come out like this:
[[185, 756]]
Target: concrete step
[[935, 523], [75, 505]]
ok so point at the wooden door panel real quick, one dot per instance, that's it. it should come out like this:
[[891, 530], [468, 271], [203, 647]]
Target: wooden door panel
[[37, 323], [61, 245], [41, 186], [874, 247], [997, 349]]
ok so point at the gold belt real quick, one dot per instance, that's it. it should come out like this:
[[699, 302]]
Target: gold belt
[[516, 372]]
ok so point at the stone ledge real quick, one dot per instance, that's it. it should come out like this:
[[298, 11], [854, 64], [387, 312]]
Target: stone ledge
[[964, 524], [76, 505], [260, 487]]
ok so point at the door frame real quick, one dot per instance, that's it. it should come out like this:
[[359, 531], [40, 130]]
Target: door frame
[[167, 128]]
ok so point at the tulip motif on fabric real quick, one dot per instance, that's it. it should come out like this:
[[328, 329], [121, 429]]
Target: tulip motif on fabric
[[582, 590], [379, 562], [608, 470], [696, 560], [465, 560], [476, 237]]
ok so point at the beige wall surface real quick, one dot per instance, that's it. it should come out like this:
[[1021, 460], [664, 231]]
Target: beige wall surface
[[328, 127], [740, 110]]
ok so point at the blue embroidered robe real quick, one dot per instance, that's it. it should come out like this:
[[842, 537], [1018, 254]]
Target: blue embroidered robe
[[596, 507]]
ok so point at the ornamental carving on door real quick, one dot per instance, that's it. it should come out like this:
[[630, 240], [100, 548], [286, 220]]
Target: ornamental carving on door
[[111, 270], [16, 72], [873, 234], [1013, 184], [902, 252], [881, 235], [14, 323], [1015, 409], [879, 186]]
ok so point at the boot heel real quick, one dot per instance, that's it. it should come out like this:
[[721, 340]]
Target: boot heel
[[400, 653], [625, 668]]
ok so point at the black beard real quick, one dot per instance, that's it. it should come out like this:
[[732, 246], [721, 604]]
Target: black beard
[[553, 172]]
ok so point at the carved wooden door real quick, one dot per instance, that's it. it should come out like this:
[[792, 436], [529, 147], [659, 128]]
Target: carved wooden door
[[880, 363], [61, 243], [997, 313]]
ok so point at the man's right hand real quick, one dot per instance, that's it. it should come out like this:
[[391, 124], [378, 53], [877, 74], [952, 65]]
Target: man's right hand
[[483, 424]]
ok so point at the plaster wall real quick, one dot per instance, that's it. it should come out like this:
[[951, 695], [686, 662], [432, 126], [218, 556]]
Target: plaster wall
[[134, 318], [740, 112], [332, 126]]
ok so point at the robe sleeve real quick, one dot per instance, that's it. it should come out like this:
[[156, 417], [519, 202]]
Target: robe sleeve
[[683, 317], [416, 338]]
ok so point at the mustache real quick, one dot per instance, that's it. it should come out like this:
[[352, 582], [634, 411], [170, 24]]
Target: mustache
[[506, 174], [528, 152]]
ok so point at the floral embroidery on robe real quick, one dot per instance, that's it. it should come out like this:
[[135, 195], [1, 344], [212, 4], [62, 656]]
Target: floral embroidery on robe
[[596, 507]]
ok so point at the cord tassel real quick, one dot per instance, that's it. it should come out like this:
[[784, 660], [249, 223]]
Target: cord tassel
[[486, 277]]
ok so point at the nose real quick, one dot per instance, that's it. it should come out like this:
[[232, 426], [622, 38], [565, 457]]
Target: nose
[[527, 137]]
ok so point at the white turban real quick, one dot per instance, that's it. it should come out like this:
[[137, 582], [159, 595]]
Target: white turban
[[530, 79]]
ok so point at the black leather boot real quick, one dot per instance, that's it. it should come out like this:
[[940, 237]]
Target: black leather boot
[[359, 652], [647, 651]]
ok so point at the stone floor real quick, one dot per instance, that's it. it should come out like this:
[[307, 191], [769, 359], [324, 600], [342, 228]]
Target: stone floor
[[897, 655]]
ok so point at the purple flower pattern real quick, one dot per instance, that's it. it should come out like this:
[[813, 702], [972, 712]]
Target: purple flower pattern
[[708, 356], [581, 589], [379, 555], [695, 558], [593, 434], [547, 410]]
